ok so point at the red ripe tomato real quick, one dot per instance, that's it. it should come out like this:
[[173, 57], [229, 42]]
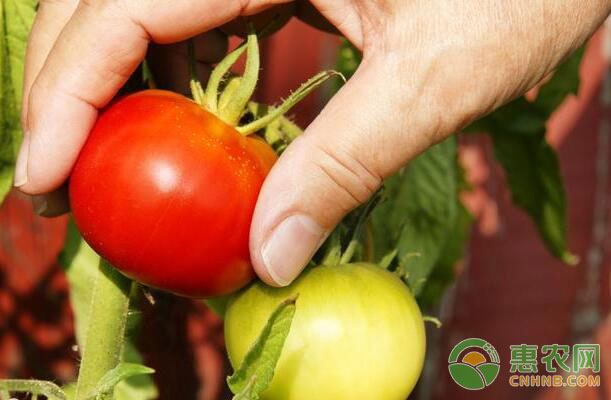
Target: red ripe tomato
[[165, 191]]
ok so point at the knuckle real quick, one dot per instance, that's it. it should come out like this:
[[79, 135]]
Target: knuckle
[[354, 181]]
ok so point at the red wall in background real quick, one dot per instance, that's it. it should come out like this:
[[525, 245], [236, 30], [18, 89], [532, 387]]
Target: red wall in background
[[509, 290]]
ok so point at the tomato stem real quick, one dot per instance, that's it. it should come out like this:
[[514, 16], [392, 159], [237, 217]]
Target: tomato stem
[[234, 101], [192, 60], [290, 129], [147, 75], [349, 253], [197, 92], [291, 101], [432, 320], [196, 87], [216, 77], [234, 108], [105, 330], [286, 129], [230, 87]]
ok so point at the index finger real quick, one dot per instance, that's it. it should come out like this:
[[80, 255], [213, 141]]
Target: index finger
[[50, 19], [99, 48]]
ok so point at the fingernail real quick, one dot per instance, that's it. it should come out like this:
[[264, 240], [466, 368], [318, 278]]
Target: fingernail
[[21, 167], [40, 204], [290, 247], [52, 204]]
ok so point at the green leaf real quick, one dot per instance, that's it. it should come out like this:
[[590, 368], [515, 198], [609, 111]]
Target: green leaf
[[248, 392], [564, 82], [70, 390], [118, 374], [422, 210], [384, 228], [35, 387], [454, 248], [16, 17], [533, 173], [452, 252], [260, 361]]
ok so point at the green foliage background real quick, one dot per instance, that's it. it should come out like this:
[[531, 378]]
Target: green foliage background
[[16, 17], [421, 216]]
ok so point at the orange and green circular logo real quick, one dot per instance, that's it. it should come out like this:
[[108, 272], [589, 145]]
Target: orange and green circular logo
[[474, 364]]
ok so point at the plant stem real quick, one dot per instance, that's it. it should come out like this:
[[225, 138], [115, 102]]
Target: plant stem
[[232, 112], [349, 253], [231, 86], [293, 99], [212, 89], [192, 60], [105, 328], [197, 92], [432, 320]]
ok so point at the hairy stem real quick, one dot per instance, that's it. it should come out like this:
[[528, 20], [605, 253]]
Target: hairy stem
[[197, 92], [292, 100], [45, 388], [230, 88], [105, 329], [232, 112], [212, 88], [349, 253]]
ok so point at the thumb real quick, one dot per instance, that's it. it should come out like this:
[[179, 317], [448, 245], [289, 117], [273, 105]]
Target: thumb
[[360, 137]]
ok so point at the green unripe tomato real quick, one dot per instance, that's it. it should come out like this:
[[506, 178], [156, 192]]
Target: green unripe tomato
[[357, 334]]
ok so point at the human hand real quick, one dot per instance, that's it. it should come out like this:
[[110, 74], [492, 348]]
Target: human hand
[[429, 68]]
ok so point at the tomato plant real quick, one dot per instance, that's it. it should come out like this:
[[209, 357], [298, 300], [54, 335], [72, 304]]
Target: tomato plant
[[357, 334], [165, 191], [165, 188]]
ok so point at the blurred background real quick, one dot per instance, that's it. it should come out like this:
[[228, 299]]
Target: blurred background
[[508, 289]]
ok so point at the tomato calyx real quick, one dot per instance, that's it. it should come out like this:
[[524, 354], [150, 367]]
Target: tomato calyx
[[229, 96]]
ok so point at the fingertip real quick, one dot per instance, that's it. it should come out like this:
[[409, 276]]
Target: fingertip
[[288, 248], [58, 125], [288, 225], [21, 166], [263, 273]]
